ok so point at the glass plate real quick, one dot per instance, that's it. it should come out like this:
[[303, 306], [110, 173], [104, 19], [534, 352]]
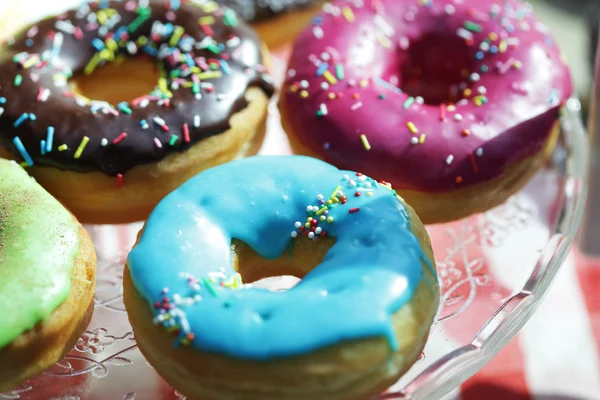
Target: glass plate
[[494, 269]]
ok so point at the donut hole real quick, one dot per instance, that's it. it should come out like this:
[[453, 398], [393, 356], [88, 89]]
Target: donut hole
[[437, 67], [117, 82], [282, 273]]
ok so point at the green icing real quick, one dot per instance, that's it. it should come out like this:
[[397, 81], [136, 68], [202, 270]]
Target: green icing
[[38, 245]]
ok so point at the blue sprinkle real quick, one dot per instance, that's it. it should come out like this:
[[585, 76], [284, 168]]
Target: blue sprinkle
[[387, 85], [120, 32], [169, 28], [32, 116], [49, 139], [2, 100], [43, 147], [29, 42], [225, 67], [479, 55], [94, 109], [221, 46], [322, 68], [19, 145], [150, 51], [189, 60], [20, 120], [175, 4], [318, 20], [104, 4], [494, 49], [98, 44]]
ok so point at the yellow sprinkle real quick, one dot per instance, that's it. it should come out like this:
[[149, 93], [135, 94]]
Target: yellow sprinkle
[[330, 219], [81, 147], [102, 17], [502, 46], [422, 138], [177, 34], [24, 164], [188, 84], [106, 54], [365, 142], [185, 341], [238, 280], [293, 88], [385, 42], [111, 44], [92, 64], [451, 107], [467, 92], [348, 14], [329, 202], [307, 225], [304, 94], [412, 127], [196, 70], [369, 193], [208, 7], [162, 85], [321, 211], [63, 147], [330, 78], [209, 75], [331, 96], [31, 62], [517, 64], [493, 36], [333, 195], [142, 41], [208, 20], [322, 218], [364, 83]]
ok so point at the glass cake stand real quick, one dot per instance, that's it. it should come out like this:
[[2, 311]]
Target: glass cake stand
[[494, 269]]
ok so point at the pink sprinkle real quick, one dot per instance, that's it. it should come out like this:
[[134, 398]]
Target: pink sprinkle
[[207, 29], [186, 133], [119, 139], [119, 181], [78, 33], [92, 26], [40, 94], [157, 143], [32, 32], [112, 111]]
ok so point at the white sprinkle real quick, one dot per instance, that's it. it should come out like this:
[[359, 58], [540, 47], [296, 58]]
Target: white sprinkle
[[298, 224], [383, 25], [66, 27], [449, 159], [309, 209], [324, 85], [449, 9], [1, 111], [479, 152], [323, 109], [144, 103], [131, 47], [196, 121], [158, 121], [419, 100], [414, 140], [45, 95], [104, 142], [356, 106], [465, 34], [475, 77], [462, 102], [458, 117], [325, 56], [318, 32], [291, 73], [367, 184], [304, 84], [318, 230], [294, 234], [311, 235], [326, 146], [340, 193], [481, 90], [320, 196], [352, 183], [346, 177]]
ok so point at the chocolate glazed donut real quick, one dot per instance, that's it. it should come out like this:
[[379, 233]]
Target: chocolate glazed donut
[[207, 59]]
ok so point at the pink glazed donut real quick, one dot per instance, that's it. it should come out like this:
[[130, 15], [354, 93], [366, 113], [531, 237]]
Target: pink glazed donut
[[455, 103]]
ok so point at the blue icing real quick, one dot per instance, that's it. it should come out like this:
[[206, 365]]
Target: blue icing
[[368, 274]]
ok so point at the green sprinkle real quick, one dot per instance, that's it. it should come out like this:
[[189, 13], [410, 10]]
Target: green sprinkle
[[230, 18], [211, 288], [213, 48], [195, 88], [472, 26], [136, 23], [339, 71], [408, 102], [173, 140], [18, 80], [484, 68], [382, 96]]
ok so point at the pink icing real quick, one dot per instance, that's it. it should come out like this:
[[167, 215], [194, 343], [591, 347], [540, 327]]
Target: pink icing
[[508, 115]]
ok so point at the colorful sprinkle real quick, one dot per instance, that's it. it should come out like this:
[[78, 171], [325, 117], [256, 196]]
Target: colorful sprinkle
[[365, 142], [19, 145], [81, 147]]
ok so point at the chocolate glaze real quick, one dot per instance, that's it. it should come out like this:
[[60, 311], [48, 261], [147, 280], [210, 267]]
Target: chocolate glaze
[[259, 10], [72, 121]]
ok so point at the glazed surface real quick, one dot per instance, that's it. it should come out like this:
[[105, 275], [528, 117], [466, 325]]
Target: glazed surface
[[260, 10], [429, 95], [38, 245], [182, 264], [206, 57]]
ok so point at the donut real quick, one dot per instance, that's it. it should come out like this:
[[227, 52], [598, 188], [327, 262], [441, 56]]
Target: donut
[[276, 21], [456, 104], [110, 157], [47, 278], [355, 323]]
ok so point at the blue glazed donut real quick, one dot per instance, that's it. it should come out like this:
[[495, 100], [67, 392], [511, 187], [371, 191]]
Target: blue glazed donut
[[374, 285]]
